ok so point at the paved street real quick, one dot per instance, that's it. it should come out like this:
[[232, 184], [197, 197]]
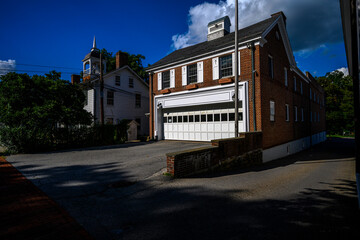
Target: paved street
[[310, 195]]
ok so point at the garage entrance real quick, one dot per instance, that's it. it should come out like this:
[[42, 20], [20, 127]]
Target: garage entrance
[[202, 125]]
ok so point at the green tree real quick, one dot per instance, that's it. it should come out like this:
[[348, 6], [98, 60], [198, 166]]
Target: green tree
[[339, 102], [32, 108], [134, 62]]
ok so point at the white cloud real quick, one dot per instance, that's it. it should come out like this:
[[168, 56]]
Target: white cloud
[[7, 66], [305, 20], [344, 70]]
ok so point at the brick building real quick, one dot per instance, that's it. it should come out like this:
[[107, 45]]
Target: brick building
[[192, 90]]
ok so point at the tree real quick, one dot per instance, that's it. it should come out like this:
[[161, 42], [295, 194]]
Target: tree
[[32, 108], [339, 102], [134, 62]]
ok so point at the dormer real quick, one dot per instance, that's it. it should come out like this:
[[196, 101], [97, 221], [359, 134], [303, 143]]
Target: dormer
[[218, 28]]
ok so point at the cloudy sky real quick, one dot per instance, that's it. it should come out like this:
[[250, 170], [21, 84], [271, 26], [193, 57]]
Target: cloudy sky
[[43, 35]]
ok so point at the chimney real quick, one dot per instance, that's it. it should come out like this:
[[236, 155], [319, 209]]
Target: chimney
[[75, 79], [121, 59], [309, 76], [218, 28], [278, 14]]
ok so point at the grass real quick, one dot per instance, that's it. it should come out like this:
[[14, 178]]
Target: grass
[[340, 136]]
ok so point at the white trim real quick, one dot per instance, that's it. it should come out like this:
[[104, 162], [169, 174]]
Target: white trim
[[159, 81], [191, 60], [292, 147], [215, 68]]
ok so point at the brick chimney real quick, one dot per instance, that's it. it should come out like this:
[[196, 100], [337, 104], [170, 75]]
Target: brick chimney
[[75, 79], [310, 76], [280, 13], [121, 59]]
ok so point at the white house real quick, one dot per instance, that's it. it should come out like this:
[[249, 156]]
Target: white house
[[126, 95]]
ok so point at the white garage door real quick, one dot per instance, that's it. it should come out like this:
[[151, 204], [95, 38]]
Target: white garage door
[[202, 125]]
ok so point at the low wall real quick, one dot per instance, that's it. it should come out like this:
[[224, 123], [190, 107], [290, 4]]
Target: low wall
[[245, 150]]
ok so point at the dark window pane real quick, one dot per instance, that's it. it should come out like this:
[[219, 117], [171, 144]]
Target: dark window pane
[[240, 116], [209, 117], [166, 79], [174, 119], [165, 119], [224, 117], [180, 118], [240, 104], [203, 118], [231, 116], [185, 119], [192, 73], [197, 118], [169, 119], [191, 118], [217, 117]]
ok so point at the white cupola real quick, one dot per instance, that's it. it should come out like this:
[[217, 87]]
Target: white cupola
[[91, 63]]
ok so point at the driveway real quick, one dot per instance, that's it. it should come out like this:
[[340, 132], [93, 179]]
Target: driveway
[[93, 170], [310, 195]]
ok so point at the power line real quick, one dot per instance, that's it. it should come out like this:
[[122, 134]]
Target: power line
[[17, 70], [32, 65]]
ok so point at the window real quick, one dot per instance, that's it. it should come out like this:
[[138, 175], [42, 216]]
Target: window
[[165, 119], [318, 117], [302, 114], [272, 111], [138, 120], [287, 112], [197, 118], [231, 116], [224, 117], [310, 116], [285, 76], [117, 80], [310, 94], [217, 117], [165, 79], [110, 98], [203, 117], [131, 82], [295, 114], [185, 119], [226, 66], [295, 84], [137, 100], [180, 119], [301, 88], [271, 67], [192, 73], [209, 117]]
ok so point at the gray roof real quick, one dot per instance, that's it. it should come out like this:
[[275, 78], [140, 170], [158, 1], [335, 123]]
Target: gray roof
[[245, 34], [92, 54]]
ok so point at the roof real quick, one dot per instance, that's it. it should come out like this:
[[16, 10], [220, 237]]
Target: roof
[[219, 20], [244, 34], [92, 54]]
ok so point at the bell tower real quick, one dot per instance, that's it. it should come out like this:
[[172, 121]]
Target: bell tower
[[91, 64]]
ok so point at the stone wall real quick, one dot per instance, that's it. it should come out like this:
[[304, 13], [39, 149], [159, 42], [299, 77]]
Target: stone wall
[[242, 151]]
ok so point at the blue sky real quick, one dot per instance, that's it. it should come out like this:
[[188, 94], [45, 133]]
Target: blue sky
[[60, 33]]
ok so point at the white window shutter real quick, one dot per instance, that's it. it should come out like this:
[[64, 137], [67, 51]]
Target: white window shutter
[[215, 65], [159, 81], [233, 63], [184, 76], [200, 72], [172, 78]]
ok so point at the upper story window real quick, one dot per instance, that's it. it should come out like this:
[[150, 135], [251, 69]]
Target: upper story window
[[110, 98], [271, 66], [310, 94], [295, 88], [117, 80], [287, 118], [302, 114], [295, 114], [226, 68], [301, 88], [286, 77], [137, 100], [131, 82], [272, 111], [165, 79], [192, 73]]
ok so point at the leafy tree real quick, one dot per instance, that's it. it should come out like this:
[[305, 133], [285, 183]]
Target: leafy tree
[[32, 108], [339, 102], [134, 62]]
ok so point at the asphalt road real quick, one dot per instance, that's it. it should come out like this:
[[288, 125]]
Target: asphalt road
[[311, 195]]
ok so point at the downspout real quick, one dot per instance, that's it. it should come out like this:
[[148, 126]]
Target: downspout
[[152, 103], [253, 83]]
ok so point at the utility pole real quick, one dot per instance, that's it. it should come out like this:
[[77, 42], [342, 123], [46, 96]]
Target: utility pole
[[101, 93], [236, 68]]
